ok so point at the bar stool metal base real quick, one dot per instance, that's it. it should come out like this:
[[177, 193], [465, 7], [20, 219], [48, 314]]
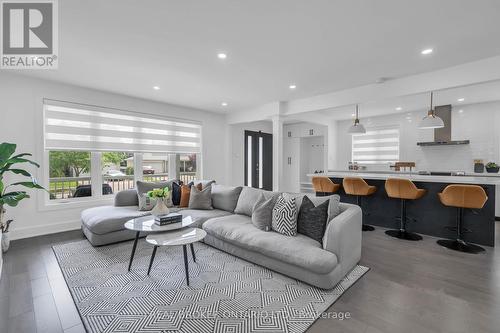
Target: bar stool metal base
[[364, 227], [460, 245], [367, 227], [402, 234]]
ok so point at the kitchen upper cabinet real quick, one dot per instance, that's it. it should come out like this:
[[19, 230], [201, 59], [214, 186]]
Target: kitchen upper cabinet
[[303, 130], [309, 130], [292, 131]]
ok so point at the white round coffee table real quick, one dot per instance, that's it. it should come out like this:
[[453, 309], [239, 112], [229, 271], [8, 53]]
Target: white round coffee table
[[174, 238], [147, 224]]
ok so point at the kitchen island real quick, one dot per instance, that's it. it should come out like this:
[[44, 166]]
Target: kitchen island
[[432, 218]]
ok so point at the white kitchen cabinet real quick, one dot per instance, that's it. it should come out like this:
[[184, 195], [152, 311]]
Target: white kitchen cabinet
[[304, 130], [309, 130], [304, 151], [291, 165]]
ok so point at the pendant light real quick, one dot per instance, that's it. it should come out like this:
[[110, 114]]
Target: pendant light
[[431, 120], [356, 128]]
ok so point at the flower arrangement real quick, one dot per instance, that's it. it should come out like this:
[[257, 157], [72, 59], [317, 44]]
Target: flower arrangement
[[163, 193]]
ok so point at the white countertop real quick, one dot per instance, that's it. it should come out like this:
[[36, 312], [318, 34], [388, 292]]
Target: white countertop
[[484, 179]]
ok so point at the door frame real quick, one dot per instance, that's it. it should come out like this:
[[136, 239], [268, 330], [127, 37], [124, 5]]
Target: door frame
[[267, 178]]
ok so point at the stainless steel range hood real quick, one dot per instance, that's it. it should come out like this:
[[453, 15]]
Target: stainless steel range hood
[[442, 136]]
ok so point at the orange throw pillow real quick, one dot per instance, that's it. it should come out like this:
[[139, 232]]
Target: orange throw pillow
[[185, 194]]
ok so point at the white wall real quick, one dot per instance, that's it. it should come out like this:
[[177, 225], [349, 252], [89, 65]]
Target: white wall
[[479, 123], [20, 102], [236, 171]]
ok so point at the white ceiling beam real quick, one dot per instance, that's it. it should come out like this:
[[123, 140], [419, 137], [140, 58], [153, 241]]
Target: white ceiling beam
[[263, 112], [466, 74], [317, 119]]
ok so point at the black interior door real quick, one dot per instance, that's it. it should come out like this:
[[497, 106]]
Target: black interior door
[[259, 160]]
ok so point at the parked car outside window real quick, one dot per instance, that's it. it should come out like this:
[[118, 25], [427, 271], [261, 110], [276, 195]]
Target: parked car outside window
[[147, 170]]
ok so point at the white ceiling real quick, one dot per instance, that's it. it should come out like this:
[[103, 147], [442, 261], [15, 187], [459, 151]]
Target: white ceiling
[[129, 46], [478, 93]]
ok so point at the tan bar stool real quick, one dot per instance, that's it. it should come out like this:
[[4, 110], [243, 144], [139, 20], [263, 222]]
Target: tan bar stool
[[324, 186], [358, 187], [404, 190], [461, 197]]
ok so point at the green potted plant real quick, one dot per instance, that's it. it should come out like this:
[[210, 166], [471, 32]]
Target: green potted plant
[[9, 163], [161, 195], [492, 167]]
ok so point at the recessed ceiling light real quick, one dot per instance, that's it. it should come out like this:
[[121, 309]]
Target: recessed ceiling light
[[221, 55], [460, 111], [223, 104], [461, 99], [399, 108], [353, 115], [427, 51], [292, 86], [156, 88]]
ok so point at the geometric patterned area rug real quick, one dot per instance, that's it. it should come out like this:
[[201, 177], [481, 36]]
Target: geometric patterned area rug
[[226, 294]]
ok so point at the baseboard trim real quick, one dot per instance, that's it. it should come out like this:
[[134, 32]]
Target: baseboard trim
[[28, 232]]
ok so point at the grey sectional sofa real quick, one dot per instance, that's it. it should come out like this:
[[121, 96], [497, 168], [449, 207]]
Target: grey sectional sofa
[[229, 228]]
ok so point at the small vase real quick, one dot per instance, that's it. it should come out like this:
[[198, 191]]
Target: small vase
[[5, 241], [160, 208]]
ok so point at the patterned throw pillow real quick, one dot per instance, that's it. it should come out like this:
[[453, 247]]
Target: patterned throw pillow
[[312, 219], [285, 216], [146, 203]]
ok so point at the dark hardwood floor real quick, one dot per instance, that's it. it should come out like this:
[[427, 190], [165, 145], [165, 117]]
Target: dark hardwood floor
[[411, 287]]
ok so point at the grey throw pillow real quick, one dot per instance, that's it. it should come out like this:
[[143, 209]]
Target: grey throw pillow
[[204, 182], [285, 216], [200, 199], [146, 203], [262, 214], [313, 219], [145, 187], [248, 197], [225, 197]]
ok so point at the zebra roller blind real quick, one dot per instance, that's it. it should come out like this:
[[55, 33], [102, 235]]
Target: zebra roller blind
[[69, 126], [376, 146]]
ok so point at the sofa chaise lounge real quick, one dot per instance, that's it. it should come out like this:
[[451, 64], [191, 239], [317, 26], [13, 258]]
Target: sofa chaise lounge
[[229, 228]]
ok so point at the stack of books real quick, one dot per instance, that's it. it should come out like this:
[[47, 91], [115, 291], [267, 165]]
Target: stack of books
[[168, 219]]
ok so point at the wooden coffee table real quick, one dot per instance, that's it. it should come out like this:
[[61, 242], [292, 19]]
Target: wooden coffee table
[[175, 238], [146, 224]]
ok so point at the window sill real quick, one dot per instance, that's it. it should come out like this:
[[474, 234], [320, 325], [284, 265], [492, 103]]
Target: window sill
[[76, 203]]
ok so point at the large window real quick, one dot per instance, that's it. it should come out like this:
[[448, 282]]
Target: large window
[[69, 173], [187, 168], [94, 152], [377, 146], [117, 169]]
